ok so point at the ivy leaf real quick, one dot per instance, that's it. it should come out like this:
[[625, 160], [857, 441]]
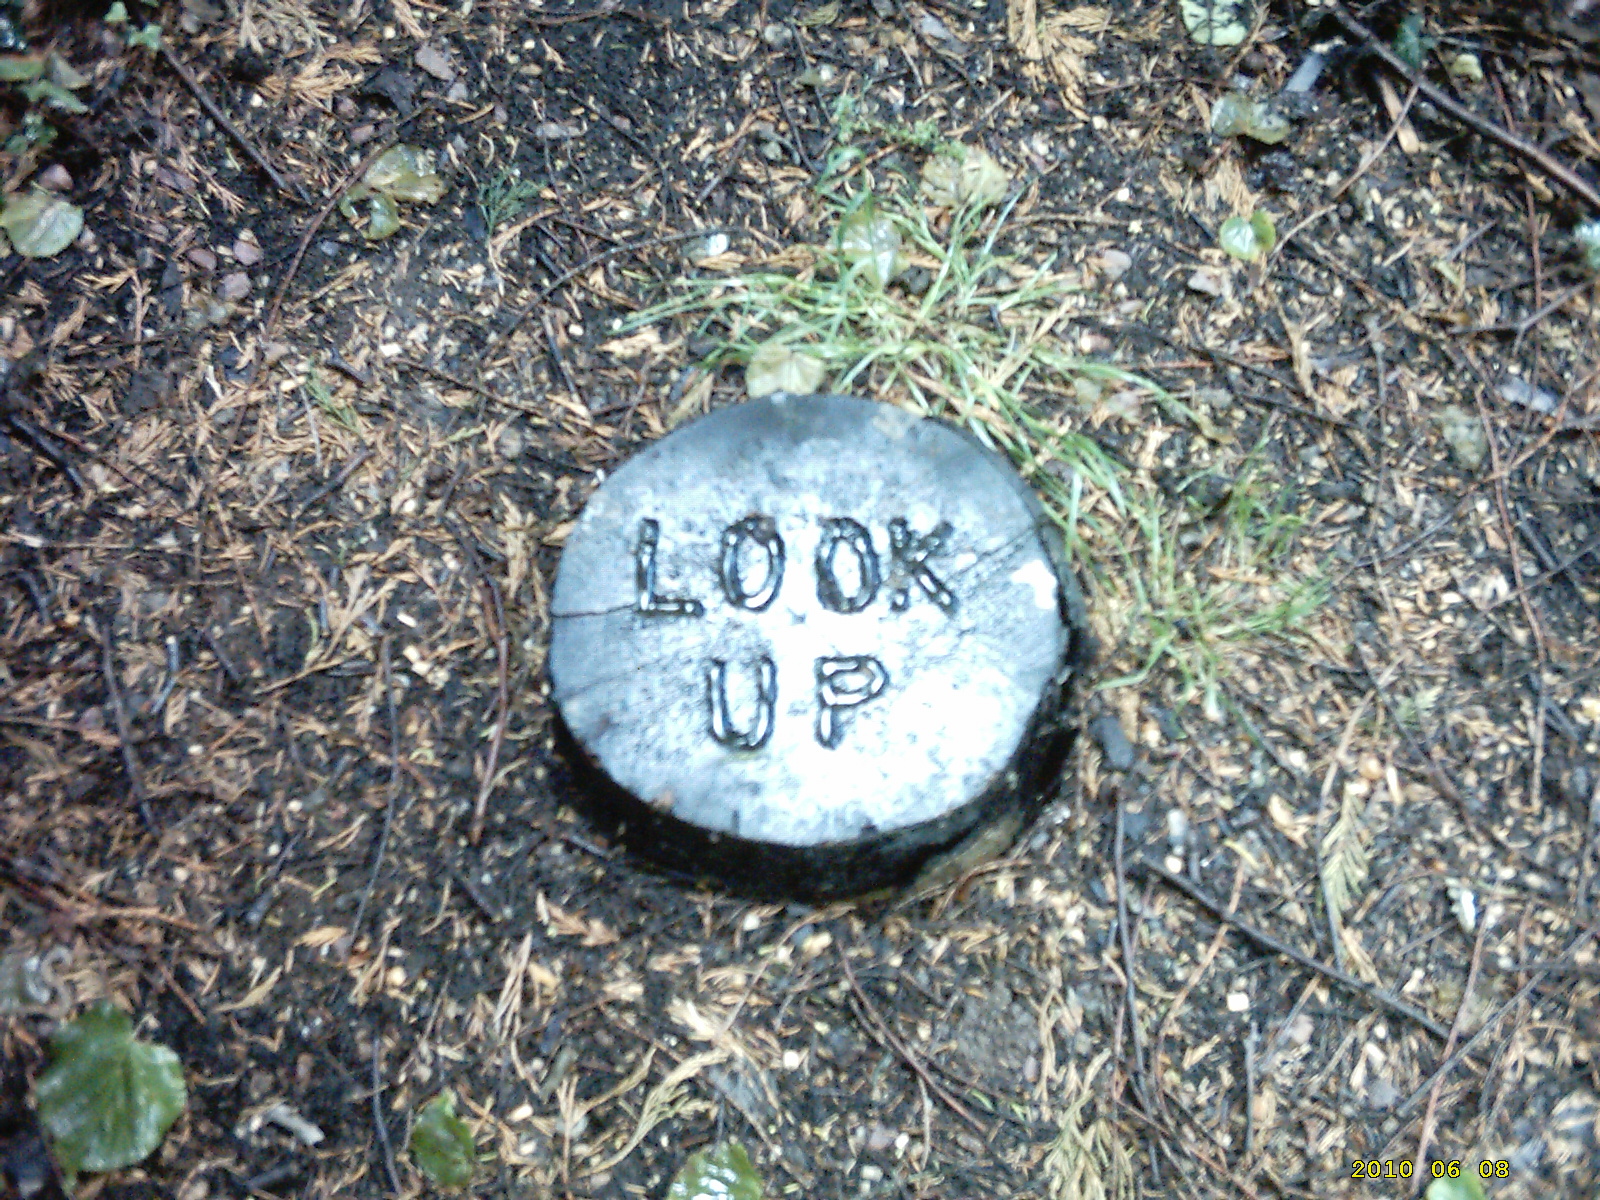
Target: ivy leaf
[[441, 1143], [1587, 235], [776, 367], [963, 175], [1216, 22], [1236, 113], [1248, 240], [867, 237], [383, 217], [723, 1172], [404, 173], [149, 37], [1466, 1187], [54, 95], [1409, 44], [107, 1100], [41, 223], [20, 68]]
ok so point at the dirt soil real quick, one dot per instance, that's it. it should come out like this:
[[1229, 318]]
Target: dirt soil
[[280, 510]]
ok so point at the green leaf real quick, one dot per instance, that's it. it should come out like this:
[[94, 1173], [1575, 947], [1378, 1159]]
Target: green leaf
[[441, 1143], [1587, 235], [53, 95], [1464, 434], [869, 238], [1235, 113], [1466, 1187], [405, 173], [723, 1172], [149, 37], [41, 223], [1266, 232], [383, 217], [1216, 22], [117, 14], [20, 68], [64, 73], [1409, 44], [107, 1100], [964, 175], [823, 14], [1465, 66], [1243, 238], [775, 367]]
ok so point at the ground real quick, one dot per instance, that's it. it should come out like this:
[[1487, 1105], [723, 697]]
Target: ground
[[283, 506]]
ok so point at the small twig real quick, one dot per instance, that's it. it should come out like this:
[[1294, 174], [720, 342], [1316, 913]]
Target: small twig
[[390, 802], [1472, 1043], [495, 611], [603, 10], [611, 119], [885, 1035], [1557, 170], [41, 442], [1534, 627], [334, 484], [561, 363], [377, 1112], [119, 711], [1219, 910], [159, 700], [1426, 1136], [567, 276], [502, 705], [1130, 988], [1367, 163], [383, 145], [232, 130], [1521, 328], [467, 385], [799, 140], [476, 895], [1252, 1044]]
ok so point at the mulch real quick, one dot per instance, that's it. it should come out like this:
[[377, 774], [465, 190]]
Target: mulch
[[280, 511]]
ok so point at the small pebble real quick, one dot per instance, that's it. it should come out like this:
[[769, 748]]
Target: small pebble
[[56, 178], [436, 62], [1177, 828], [1114, 744], [1113, 264], [246, 249], [203, 258], [235, 286]]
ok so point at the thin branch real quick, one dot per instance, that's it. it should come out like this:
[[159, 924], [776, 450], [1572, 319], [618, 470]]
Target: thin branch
[[1556, 169], [119, 711], [1472, 1043], [228, 127], [1126, 936], [384, 143], [333, 485], [502, 704], [1421, 1157], [377, 1113], [885, 1035], [587, 264], [1219, 910], [388, 808]]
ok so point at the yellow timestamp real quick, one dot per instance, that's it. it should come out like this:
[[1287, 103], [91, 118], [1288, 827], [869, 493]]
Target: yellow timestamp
[[1488, 1168], [1389, 1168]]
